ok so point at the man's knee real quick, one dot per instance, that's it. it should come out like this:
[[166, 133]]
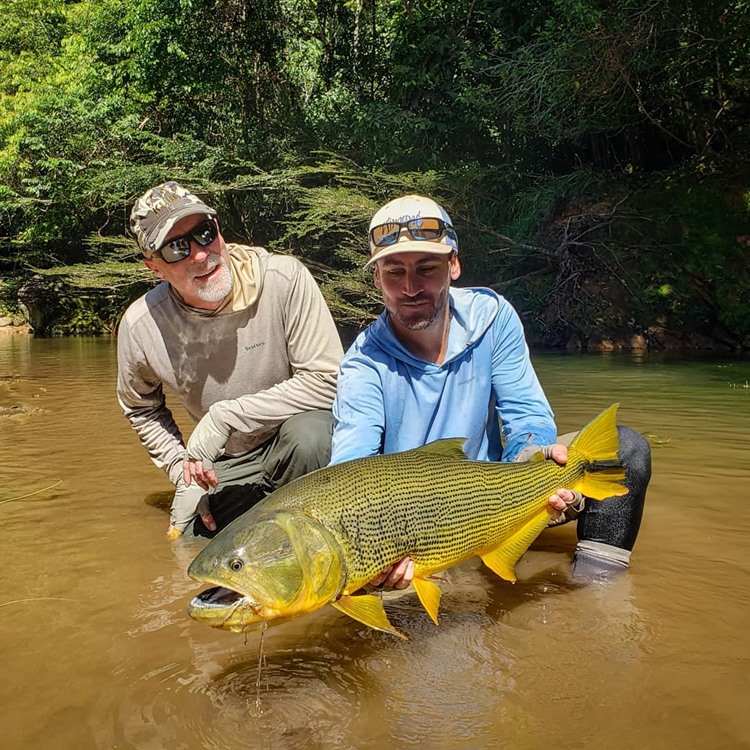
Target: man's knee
[[616, 521], [308, 433], [303, 445], [635, 454]]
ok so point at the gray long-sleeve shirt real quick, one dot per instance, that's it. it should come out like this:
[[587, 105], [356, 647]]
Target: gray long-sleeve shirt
[[256, 366]]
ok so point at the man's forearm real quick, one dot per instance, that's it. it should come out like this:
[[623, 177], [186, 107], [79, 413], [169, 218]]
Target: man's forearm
[[160, 436], [259, 413]]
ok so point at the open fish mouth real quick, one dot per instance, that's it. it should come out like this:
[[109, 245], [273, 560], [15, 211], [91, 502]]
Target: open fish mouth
[[218, 596], [225, 608]]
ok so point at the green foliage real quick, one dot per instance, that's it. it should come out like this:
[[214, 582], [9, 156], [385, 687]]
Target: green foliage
[[630, 85], [701, 273], [591, 153]]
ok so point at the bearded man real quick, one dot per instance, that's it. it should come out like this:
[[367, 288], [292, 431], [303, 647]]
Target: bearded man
[[244, 340], [442, 362]]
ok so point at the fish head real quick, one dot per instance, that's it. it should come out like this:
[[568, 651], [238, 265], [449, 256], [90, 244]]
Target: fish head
[[266, 572]]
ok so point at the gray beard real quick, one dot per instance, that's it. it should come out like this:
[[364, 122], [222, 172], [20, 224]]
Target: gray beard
[[218, 288]]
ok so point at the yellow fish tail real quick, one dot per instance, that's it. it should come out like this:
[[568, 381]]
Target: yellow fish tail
[[598, 443]]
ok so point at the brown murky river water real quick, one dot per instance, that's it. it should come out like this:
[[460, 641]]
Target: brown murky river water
[[97, 650]]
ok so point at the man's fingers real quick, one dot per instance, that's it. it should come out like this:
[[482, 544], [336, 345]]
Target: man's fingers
[[557, 502], [397, 576], [208, 521], [406, 579], [380, 578], [401, 574], [559, 453], [201, 482], [192, 469], [397, 573]]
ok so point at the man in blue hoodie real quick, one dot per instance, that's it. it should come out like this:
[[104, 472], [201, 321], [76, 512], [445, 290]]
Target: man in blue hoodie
[[442, 361]]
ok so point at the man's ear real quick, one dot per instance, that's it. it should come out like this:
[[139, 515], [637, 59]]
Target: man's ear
[[376, 276], [455, 267], [153, 267]]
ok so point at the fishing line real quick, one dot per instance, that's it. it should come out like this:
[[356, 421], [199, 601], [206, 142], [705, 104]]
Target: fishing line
[[38, 599], [261, 666], [31, 494]]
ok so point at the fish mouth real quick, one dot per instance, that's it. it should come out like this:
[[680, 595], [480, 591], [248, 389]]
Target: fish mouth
[[218, 596], [225, 609]]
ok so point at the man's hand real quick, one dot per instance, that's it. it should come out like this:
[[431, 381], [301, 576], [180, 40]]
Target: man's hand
[[398, 576], [568, 504], [189, 501], [206, 444], [562, 498], [193, 471]]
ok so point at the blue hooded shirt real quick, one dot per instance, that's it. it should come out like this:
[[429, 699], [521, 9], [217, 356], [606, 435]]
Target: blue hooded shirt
[[389, 400]]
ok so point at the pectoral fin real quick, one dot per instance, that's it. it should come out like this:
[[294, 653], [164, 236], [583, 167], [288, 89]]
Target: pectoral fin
[[367, 609], [429, 594], [503, 559]]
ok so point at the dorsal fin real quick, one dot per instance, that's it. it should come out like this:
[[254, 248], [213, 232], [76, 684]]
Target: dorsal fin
[[449, 447]]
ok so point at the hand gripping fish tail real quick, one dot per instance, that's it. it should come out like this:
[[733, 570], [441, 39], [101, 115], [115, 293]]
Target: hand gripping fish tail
[[319, 539]]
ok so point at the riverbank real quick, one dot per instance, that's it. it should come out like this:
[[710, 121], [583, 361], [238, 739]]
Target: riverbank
[[11, 326]]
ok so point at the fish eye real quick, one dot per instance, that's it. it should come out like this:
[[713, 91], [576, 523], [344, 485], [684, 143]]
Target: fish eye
[[236, 564]]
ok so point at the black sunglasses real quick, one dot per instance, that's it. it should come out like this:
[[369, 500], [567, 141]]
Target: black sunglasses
[[427, 229], [179, 248]]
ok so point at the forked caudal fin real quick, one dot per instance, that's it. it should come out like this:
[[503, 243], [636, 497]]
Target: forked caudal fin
[[598, 443]]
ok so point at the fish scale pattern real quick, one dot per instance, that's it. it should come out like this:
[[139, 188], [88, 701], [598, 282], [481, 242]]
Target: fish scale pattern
[[437, 509]]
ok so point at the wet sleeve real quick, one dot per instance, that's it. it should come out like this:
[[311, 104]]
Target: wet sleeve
[[141, 396], [524, 412], [358, 411]]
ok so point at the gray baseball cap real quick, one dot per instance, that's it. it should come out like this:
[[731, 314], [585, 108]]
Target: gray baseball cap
[[158, 210]]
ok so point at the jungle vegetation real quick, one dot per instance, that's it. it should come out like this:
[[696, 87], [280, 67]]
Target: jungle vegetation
[[593, 154]]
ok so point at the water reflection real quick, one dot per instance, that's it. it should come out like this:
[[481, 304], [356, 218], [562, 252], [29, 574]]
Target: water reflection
[[98, 651]]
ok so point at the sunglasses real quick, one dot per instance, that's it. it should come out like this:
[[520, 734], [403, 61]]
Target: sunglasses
[[179, 248], [426, 229]]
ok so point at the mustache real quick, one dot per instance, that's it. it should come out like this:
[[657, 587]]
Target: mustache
[[212, 261]]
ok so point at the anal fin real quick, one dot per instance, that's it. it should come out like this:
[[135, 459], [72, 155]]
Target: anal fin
[[502, 560], [429, 594]]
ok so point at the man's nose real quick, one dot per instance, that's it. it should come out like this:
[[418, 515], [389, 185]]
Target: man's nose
[[412, 284], [198, 254]]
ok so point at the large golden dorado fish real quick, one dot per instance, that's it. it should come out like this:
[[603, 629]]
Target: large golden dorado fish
[[322, 537]]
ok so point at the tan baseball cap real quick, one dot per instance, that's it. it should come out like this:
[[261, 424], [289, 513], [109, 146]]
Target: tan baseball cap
[[390, 232], [158, 210]]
